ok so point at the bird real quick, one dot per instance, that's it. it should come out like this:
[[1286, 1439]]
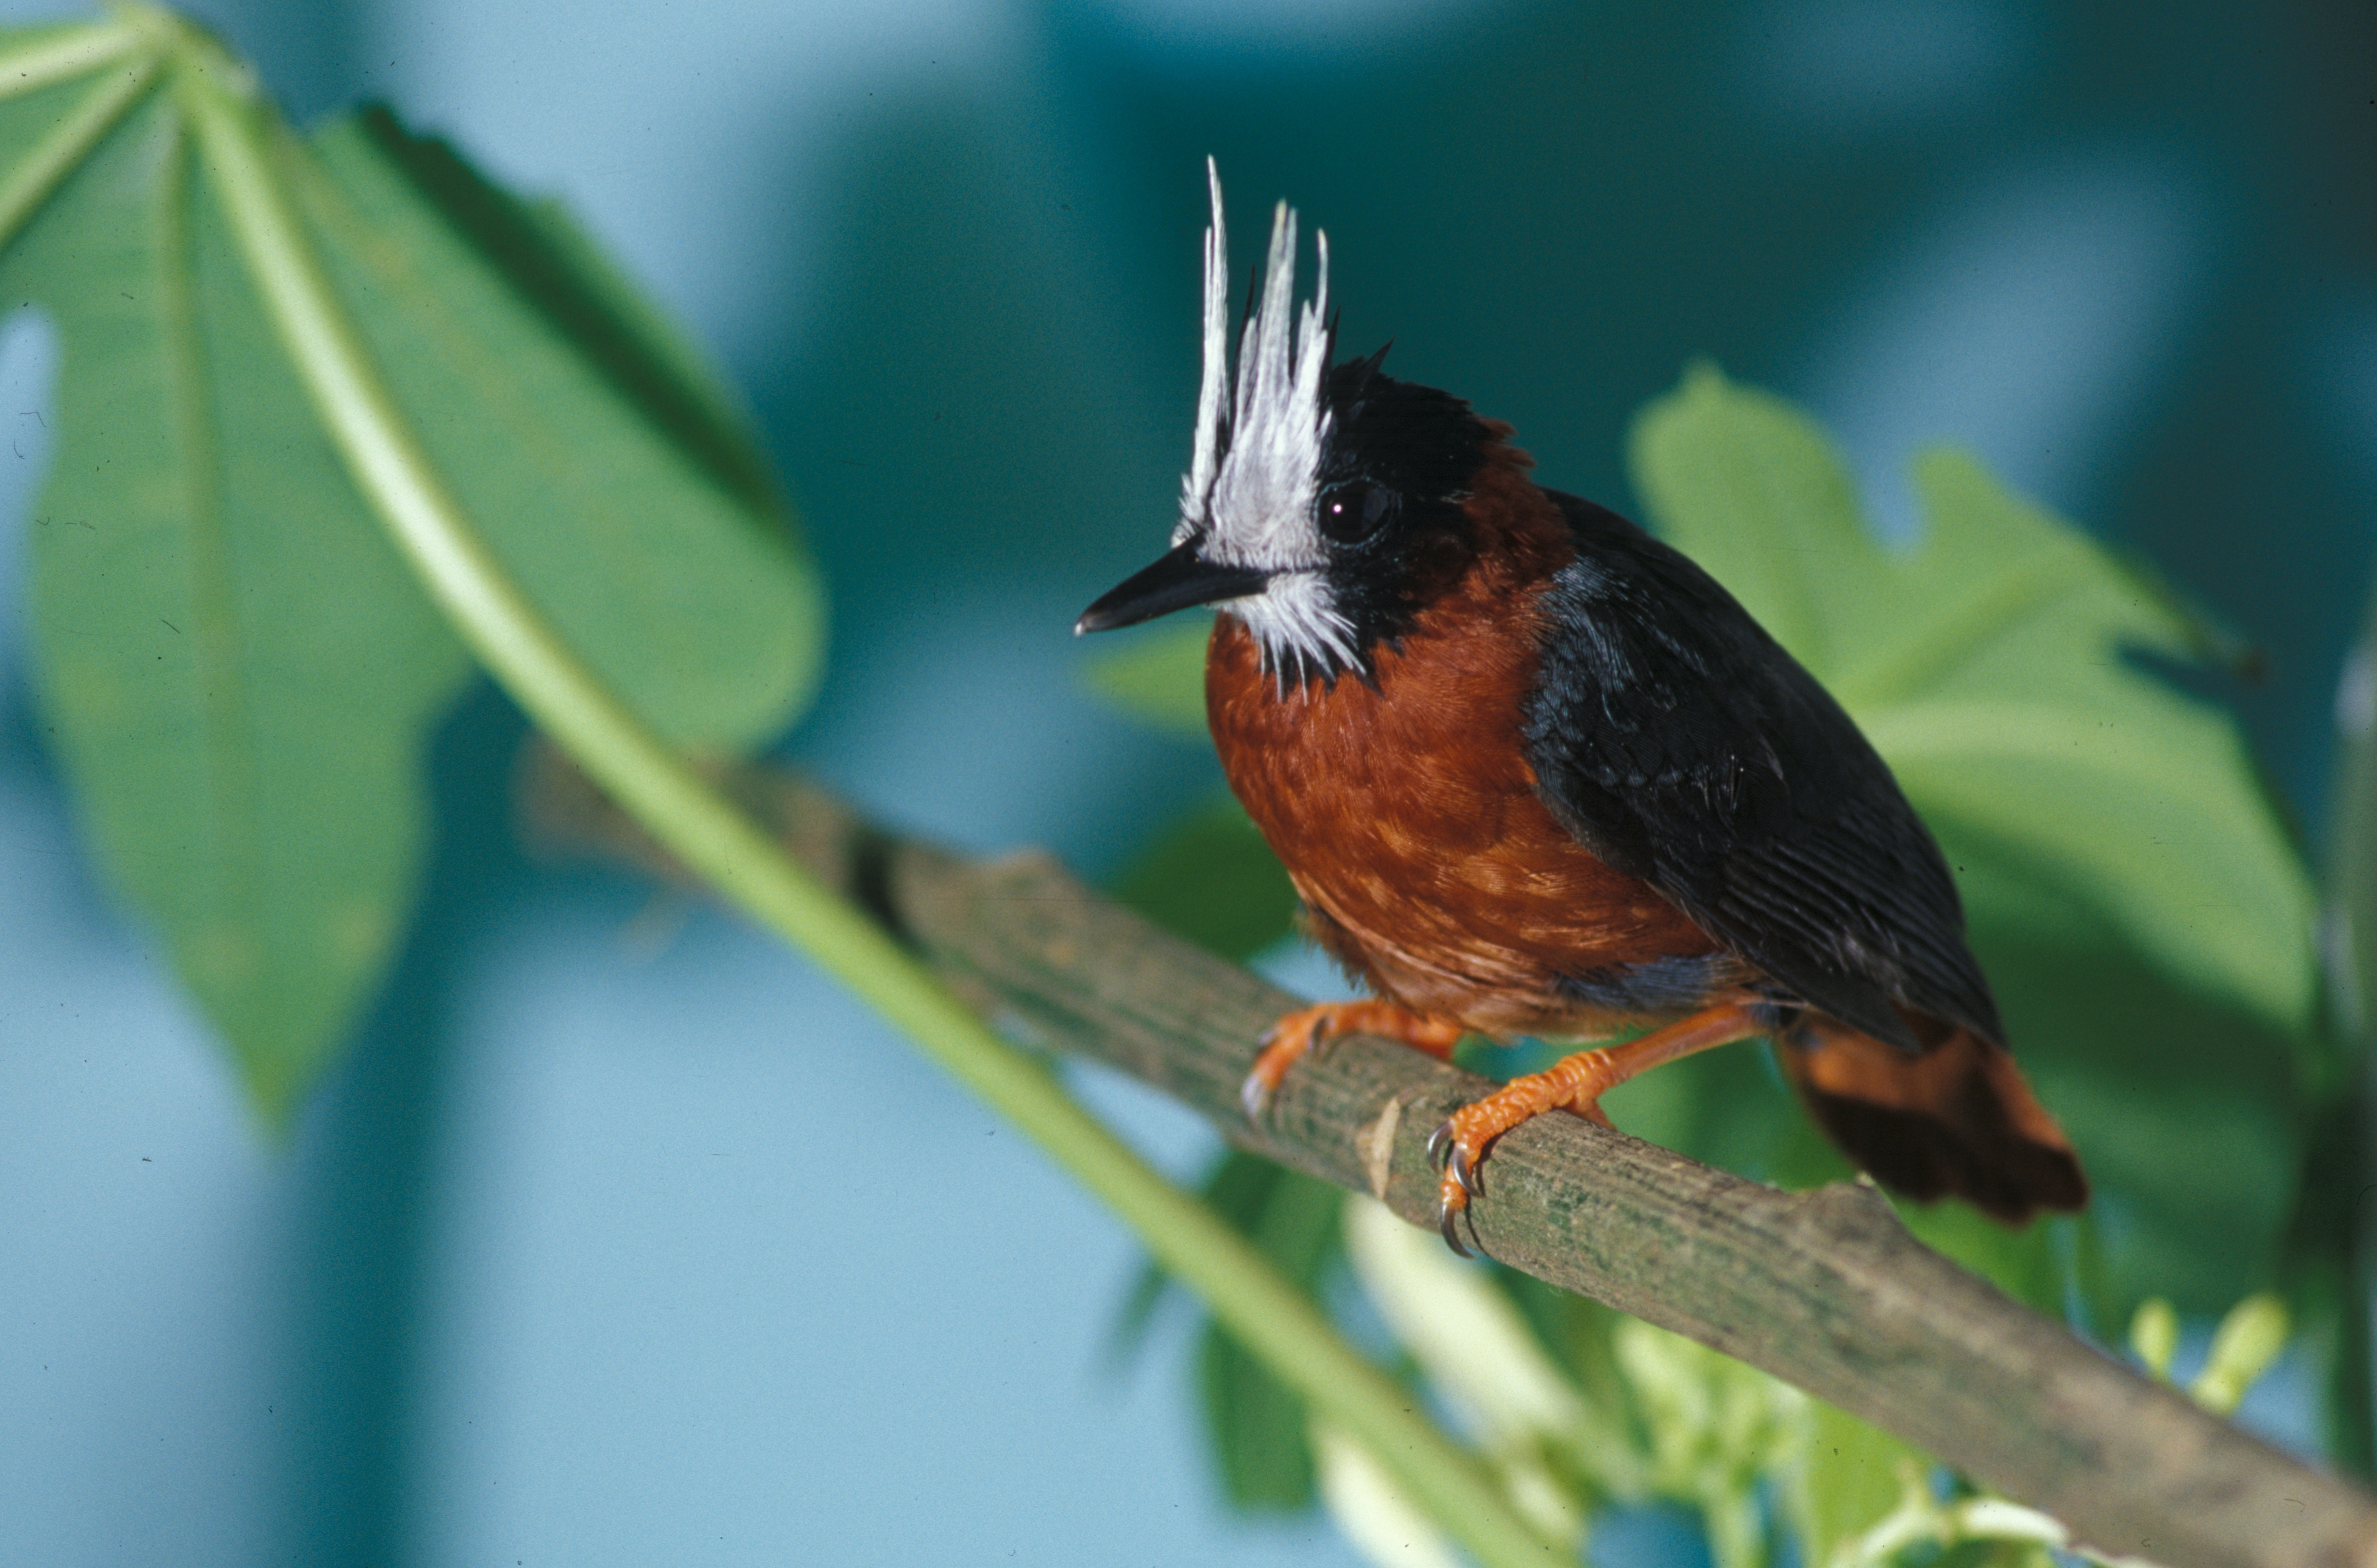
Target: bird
[[1535, 774]]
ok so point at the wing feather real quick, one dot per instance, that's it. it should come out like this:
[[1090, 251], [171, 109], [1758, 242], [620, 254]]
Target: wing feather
[[1684, 746]]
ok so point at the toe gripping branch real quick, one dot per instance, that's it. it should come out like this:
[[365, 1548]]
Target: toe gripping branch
[[1300, 1032], [1575, 1084]]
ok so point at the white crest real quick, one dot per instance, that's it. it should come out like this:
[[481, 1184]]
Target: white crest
[[1248, 496]]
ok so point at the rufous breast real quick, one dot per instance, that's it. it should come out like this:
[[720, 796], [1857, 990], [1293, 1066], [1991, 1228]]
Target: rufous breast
[[1405, 811]]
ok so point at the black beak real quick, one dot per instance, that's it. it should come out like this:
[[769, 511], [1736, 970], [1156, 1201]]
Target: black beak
[[1179, 580]]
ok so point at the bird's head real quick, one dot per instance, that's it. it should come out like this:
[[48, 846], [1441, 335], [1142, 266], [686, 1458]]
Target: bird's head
[[1322, 503]]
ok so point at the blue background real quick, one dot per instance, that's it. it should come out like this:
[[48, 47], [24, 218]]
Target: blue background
[[620, 1236]]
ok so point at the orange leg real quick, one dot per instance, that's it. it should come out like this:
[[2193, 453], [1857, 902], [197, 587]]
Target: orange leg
[[1574, 1082], [1300, 1031]]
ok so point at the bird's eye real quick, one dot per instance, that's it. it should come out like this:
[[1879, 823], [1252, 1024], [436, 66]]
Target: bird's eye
[[1350, 513]]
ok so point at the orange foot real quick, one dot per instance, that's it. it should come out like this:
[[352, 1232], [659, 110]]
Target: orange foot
[[1299, 1032], [1574, 1082]]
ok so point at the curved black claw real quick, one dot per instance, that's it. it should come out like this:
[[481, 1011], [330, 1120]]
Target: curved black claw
[[1445, 1149], [1448, 1222], [1254, 1095]]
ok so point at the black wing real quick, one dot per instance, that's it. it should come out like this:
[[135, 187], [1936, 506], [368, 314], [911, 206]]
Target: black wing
[[1682, 745]]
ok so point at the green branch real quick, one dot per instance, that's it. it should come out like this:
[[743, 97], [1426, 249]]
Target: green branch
[[244, 150]]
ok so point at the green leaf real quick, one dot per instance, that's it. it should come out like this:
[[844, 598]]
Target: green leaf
[[1261, 1430], [238, 671], [1750, 488], [1851, 1477], [2156, 831], [599, 464], [1258, 1429], [2191, 863], [1159, 676], [2137, 1064], [236, 668], [1991, 666], [1212, 879], [2248, 1340], [2143, 916]]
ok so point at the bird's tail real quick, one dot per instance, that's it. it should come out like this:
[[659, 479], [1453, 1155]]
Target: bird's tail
[[1953, 1119]]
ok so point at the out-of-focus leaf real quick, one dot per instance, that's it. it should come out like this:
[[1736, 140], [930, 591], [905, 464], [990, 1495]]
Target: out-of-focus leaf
[[1376, 1516], [1159, 676], [1259, 1429], [1581, 1335], [1716, 1428], [2247, 1341], [1850, 1477], [1212, 879], [2144, 919], [1990, 665], [2331, 1235], [1554, 1455], [236, 670], [2153, 1335], [2139, 1067], [601, 466]]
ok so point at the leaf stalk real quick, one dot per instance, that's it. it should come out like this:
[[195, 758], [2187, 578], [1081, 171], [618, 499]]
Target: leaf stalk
[[244, 148]]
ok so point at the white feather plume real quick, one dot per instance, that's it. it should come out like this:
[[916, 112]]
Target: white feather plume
[[1249, 494]]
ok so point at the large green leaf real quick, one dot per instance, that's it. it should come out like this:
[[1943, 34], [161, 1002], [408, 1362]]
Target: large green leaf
[[1993, 664], [235, 666], [603, 471], [238, 671], [2144, 917]]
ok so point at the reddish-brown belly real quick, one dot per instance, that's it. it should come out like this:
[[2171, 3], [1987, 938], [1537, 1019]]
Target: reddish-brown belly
[[1408, 817]]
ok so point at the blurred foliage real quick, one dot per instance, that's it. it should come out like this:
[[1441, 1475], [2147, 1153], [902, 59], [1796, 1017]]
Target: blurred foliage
[[2144, 917], [1262, 1438], [239, 672], [2333, 1276], [1143, 676], [1210, 878]]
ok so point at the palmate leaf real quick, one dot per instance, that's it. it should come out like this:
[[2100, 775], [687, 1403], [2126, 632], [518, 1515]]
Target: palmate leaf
[[606, 469], [237, 671], [1993, 664], [2144, 919], [234, 666]]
